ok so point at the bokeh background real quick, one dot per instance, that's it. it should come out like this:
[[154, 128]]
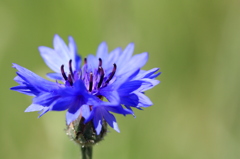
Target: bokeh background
[[196, 111]]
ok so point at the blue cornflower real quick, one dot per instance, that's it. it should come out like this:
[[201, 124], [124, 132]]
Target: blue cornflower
[[116, 76]]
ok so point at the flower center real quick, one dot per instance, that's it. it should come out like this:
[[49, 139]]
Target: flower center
[[93, 80]]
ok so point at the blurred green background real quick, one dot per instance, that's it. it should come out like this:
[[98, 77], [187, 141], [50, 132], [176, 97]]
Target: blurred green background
[[196, 111]]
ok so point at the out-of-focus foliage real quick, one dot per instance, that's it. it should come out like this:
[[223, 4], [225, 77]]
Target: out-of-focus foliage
[[196, 111]]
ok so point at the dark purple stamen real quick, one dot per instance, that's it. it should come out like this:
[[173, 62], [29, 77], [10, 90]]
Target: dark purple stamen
[[100, 62], [101, 76], [91, 82], [63, 73], [100, 73], [70, 80], [70, 68], [112, 74]]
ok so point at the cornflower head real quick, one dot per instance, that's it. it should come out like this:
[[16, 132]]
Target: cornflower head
[[115, 76]]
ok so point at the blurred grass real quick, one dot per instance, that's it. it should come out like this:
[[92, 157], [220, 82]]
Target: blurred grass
[[195, 43]]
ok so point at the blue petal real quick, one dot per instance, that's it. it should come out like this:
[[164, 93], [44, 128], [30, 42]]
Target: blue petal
[[129, 87], [119, 110], [56, 76], [102, 51], [25, 89], [77, 89], [100, 112], [43, 111], [19, 80], [144, 101], [60, 55], [96, 116], [148, 84], [127, 76], [34, 107], [111, 95], [114, 55], [51, 58], [33, 82], [112, 58], [74, 54], [73, 115], [60, 47], [126, 55], [45, 99], [155, 75], [136, 62], [148, 74], [120, 80], [111, 120], [97, 124], [91, 116], [134, 74], [92, 63], [130, 100], [76, 104], [85, 111], [62, 104]]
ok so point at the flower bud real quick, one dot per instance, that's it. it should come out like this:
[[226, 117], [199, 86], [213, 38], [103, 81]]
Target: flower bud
[[85, 134]]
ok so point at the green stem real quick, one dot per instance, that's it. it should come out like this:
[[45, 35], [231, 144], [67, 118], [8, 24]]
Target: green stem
[[86, 152]]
